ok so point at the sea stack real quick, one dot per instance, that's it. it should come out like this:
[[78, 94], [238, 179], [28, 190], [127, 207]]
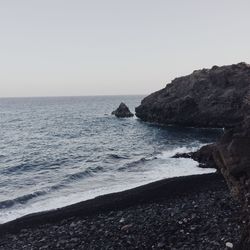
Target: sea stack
[[122, 111]]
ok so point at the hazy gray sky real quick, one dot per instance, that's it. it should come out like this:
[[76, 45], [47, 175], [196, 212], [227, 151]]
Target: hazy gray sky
[[100, 47]]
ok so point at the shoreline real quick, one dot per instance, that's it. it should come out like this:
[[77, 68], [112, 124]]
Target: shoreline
[[166, 188], [191, 212]]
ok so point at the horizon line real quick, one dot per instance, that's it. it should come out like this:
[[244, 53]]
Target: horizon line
[[53, 96]]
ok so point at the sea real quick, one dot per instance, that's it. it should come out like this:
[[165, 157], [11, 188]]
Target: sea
[[56, 151]]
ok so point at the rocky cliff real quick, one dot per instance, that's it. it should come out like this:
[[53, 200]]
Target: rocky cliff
[[232, 157], [217, 97], [206, 98]]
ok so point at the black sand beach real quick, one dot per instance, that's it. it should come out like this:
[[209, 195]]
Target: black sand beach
[[194, 212]]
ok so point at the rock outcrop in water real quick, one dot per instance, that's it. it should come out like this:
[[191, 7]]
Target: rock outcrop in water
[[204, 156], [217, 97], [205, 98], [122, 111]]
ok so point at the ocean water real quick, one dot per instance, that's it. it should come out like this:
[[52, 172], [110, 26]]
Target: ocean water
[[58, 151]]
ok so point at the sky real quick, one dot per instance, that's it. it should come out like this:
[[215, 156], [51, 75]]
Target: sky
[[115, 47]]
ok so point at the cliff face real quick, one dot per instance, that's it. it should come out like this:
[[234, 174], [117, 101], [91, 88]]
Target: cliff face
[[206, 98], [232, 156], [217, 97]]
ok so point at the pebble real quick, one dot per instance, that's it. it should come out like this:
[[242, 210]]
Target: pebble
[[126, 227], [162, 224], [229, 245], [122, 220], [161, 244]]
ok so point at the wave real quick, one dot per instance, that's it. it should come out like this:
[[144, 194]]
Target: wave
[[16, 168], [116, 156], [69, 179], [90, 171], [164, 155], [28, 166], [21, 199], [15, 120], [171, 152], [134, 164], [45, 165]]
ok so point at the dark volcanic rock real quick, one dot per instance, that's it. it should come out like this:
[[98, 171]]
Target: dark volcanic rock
[[204, 156], [195, 217], [122, 111], [232, 155], [205, 98], [217, 97]]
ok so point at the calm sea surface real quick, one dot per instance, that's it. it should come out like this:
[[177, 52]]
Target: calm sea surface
[[58, 151]]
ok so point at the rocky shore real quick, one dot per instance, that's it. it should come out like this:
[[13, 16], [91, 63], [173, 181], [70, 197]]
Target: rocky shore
[[194, 212], [216, 97], [206, 98]]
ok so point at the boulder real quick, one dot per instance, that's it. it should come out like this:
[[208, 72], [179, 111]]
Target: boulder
[[204, 156], [122, 111], [206, 98]]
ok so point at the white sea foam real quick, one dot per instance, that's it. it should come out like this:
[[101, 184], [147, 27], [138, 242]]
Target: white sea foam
[[157, 169], [181, 150], [59, 151]]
